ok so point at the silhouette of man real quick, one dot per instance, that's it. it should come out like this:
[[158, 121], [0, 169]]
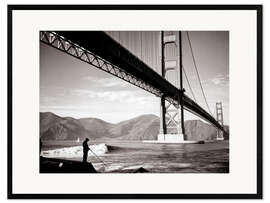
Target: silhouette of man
[[85, 149], [40, 146]]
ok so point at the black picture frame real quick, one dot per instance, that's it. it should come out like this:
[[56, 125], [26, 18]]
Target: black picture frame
[[257, 8]]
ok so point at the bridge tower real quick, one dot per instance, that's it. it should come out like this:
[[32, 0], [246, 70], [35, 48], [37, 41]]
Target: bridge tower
[[219, 112], [171, 114]]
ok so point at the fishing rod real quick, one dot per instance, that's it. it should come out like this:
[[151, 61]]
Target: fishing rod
[[97, 157]]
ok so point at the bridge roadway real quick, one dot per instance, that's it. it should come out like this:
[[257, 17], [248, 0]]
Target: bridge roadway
[[105, 47]]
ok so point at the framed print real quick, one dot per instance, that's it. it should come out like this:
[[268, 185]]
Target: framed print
[[135, 101]]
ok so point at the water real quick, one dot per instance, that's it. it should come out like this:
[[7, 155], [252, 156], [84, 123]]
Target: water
[[128, 156]]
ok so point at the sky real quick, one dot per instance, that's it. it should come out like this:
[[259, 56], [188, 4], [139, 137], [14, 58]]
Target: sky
[[70, 87]]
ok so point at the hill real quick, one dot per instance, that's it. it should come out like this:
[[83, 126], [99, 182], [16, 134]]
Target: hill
[[139, 128], [96, 127], [53, 127], [145, 127], [198, 130]]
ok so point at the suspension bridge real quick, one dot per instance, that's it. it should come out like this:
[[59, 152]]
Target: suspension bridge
[[151, 61]]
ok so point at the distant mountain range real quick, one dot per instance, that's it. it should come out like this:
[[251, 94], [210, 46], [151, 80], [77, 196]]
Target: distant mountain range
[[145, 127]]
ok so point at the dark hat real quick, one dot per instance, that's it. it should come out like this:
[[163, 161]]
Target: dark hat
[[87, 139]]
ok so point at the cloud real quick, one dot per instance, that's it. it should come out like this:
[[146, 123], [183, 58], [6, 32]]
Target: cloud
[[220, 79], [65, 107], [114, 83], [106, 82], [89, 78], [47, 100], [121, 96], [113, 106], [83, 93]]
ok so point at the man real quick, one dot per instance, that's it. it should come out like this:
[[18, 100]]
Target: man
[[85, 149], [40, 146]]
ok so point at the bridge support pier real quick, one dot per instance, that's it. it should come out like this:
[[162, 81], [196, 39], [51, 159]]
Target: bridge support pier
[[219, 112], [162, 129], [172, 115], [171, 137]]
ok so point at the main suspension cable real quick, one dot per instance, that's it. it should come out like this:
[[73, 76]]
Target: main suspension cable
[[195, 65], [193, 95]]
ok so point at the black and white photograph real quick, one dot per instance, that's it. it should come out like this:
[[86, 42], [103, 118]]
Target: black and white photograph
[[134, 101]]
